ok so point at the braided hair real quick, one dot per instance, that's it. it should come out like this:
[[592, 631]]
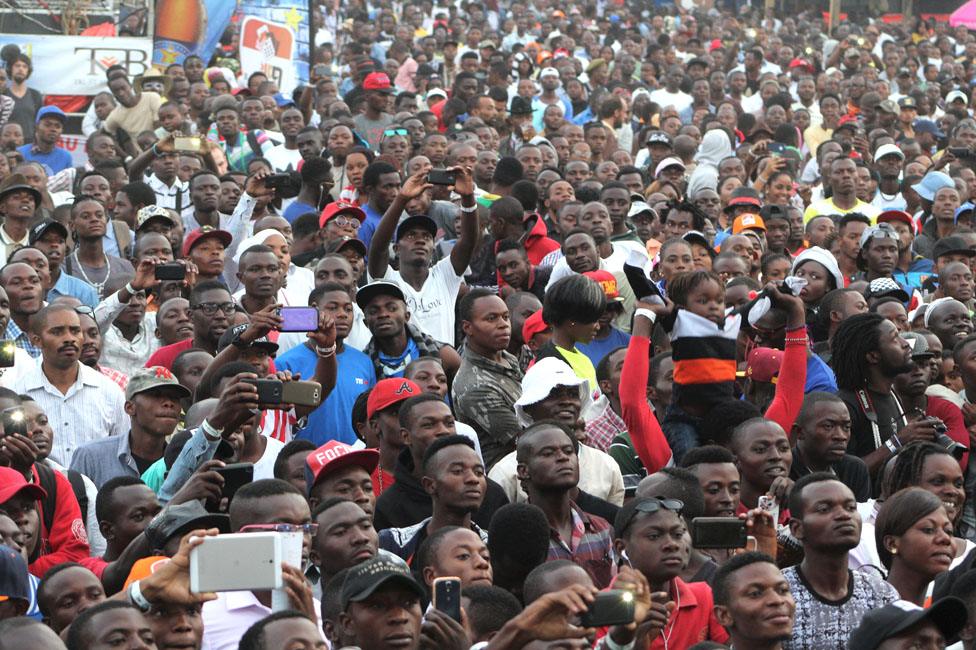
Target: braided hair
[[855, 337], [908, 464]]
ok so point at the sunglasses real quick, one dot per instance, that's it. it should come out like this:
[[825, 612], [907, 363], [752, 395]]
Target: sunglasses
[[650, 506], [389, 133]]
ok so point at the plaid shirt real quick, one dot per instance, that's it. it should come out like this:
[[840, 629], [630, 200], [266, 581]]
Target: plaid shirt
[[119, 378], [602, 429], [590, 547], [21, 339]]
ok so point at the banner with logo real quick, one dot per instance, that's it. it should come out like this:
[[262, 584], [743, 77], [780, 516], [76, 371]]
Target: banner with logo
[[75, 65], [185, 27], [275, 38]]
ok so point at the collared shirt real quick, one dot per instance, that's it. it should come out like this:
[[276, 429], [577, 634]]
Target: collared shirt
[[693, 620], [590, 547], [101, 460], [226, 619], [92, 408], [484, 393], [10, 244], [129, 356], [69, 285], [21, 339], [175, 196], [119, 378], [602, 429], [404, 542], [599, 476]]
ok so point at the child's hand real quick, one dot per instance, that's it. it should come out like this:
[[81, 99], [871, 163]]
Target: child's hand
[[658, 309]]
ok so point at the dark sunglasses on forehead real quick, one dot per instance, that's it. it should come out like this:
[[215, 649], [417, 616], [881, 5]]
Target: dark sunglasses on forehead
[[85, 310], [649, 506]]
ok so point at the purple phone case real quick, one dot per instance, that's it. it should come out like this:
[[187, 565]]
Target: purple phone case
[[299, 319]]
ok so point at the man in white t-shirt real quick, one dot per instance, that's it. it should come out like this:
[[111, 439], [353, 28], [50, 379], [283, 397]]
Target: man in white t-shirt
[[286, 156], [671, 94], [430, 292]]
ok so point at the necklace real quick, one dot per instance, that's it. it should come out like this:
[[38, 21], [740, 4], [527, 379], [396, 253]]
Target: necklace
[[99, 286]]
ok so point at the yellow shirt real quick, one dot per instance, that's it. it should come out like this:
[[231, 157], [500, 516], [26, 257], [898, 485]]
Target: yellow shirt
[[827, 206], [581, 365]]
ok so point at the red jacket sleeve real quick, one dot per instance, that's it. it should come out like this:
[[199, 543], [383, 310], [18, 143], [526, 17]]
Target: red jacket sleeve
[[645, 431], [67, 540], [950, 414], [789, 386]]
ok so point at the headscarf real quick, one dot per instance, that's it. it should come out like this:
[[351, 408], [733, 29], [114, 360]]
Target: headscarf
[[714, 148]]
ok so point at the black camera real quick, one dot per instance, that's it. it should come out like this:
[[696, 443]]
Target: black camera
[[954, 448], [962, 152], [286, 185]]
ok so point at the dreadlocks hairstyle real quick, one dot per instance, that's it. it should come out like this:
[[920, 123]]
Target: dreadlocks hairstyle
[[907, 471], [855, 337]]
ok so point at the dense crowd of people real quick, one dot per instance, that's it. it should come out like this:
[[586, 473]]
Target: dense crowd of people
[[671, 305]]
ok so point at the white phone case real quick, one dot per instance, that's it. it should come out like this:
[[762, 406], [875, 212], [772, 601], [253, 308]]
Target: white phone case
[[237, 562]]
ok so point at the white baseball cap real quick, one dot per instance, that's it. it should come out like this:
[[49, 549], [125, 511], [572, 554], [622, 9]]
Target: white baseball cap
[[888, 150]]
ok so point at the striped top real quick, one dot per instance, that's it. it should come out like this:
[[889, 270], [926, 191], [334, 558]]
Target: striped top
[[704, 356]]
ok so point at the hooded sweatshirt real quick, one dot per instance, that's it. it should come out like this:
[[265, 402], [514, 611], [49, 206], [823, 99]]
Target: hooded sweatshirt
[[714, 148]]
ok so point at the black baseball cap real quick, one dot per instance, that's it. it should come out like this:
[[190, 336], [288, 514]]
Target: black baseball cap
[[364, 579], [178, 520], [878, 625], [378, 288], [41, 228], [952, 244], [421, 221]]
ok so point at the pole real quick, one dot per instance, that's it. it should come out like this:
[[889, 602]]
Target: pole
[[834, 15]]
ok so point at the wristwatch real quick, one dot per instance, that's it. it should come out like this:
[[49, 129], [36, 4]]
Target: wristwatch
[[239, 343]]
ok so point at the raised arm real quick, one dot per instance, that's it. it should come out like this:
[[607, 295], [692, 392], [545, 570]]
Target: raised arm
[[379, 245], [645, 431], [788, 397], [469, 234]]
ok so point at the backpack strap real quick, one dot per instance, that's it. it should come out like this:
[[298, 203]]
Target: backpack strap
[[47, 480], [252, 141], [122, 237], [81, 492]]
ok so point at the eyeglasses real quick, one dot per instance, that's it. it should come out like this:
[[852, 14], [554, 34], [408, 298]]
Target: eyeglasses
[[345, 221], [389, 133], [210, 308], [307, 529]]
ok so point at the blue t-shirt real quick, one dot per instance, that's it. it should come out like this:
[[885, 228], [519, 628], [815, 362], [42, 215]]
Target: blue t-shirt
[[819, 376], [57, 160], [297, 209], [368, 227], [598, 349], [332, 420]]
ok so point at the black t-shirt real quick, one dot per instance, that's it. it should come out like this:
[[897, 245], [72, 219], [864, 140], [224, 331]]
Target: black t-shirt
[[889, 421], [851, 471]]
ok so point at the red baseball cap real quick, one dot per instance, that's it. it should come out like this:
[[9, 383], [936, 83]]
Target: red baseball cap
[[378, 81], [388, 392], [335, 455], [533, 325], [801, 63], [203, 232], [847, 120], [716, 44], [897, 215], [763, 364], [607, 282], [340, 207], [12, 483]]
